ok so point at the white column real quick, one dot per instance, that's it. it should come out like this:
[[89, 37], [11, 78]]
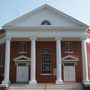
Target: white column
[[84, 61], [33, 62], [58, 61], [7, 62]]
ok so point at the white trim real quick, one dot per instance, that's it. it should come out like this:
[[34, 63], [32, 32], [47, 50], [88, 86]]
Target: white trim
[[72, 58], [22, 52], [45, 27], [22, 56], [69, 52], [26, 59], [46, 74], [50, 8], [45, 33]]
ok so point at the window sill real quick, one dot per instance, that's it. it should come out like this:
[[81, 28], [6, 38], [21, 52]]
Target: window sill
[[22, 52], [46, 74], [69, 52]]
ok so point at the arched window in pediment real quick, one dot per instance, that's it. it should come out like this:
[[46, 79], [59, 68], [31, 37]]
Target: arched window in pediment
[[45, 22]]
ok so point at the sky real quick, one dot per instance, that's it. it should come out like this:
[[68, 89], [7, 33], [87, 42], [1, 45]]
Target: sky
[[11, 9]]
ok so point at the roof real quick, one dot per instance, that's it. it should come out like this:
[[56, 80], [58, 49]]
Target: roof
[[50, 8], [2, 31]]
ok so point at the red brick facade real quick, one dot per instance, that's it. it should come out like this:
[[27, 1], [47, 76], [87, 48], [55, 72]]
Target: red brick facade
[[76, 53], [51, 45], [2, 51]]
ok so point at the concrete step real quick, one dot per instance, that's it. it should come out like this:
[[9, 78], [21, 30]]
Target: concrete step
[[68, 86]]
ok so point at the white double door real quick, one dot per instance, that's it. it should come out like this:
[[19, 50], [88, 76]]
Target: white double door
[[22, 72], [69, 72]]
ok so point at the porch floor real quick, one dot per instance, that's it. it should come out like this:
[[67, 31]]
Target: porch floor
[[44, 86]]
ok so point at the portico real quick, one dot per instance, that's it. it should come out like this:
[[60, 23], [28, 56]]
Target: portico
[[33, 61], [46, 42], [34, 40]]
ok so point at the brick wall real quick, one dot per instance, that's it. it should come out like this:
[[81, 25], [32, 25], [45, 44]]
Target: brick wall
[[52, 46], [2, 51], [15, 53], [76, 53]]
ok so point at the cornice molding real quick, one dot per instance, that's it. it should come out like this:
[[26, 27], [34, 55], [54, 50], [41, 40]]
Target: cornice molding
[[43, 28]]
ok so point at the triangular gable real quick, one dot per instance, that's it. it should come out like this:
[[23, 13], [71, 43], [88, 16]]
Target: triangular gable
[[22, 18], [21, 58], [70, 58]]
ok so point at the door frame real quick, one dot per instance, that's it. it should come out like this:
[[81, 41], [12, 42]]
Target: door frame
[[22, 59], [27, 66], [72, 64], [70, 59]]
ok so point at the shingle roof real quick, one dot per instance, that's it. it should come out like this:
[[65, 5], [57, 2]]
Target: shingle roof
[[2, 31]]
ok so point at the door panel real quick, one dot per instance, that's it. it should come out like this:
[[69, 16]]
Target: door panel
[[19, 74], [69, 73], [25, 73], [22, 73]]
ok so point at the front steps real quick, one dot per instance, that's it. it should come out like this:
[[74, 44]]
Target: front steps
[[68, 86]]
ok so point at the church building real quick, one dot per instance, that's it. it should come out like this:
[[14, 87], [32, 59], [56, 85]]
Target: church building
[[45, 46]]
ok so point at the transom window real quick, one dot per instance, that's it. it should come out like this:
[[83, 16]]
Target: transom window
[[68, 64], [45, 22], [22, 64], [22, 47], [46, 62], [68, 47]]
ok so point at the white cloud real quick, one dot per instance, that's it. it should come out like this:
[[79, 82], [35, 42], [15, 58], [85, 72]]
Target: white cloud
[[0, 27]]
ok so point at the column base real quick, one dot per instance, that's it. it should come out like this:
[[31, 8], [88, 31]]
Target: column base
[[86, 83], [5, 81], [59, 81], [32, 82]]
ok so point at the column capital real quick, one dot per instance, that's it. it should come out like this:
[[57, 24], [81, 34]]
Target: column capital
[[33, 38], [8, 38], [58, 38], [84, 37]]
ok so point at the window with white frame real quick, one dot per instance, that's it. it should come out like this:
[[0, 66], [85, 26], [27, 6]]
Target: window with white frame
[[0, 59], [46, 62], [45, 22], [22, 47], [68, 47]]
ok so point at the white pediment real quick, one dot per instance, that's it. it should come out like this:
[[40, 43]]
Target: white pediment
[[21, 58], [70, 58], [45, 12]]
